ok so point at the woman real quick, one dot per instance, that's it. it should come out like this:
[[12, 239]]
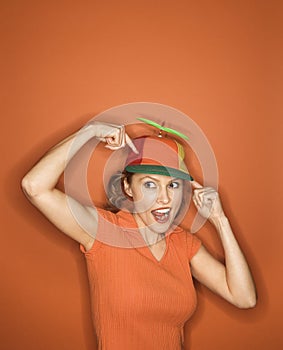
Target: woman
[[142, 296]]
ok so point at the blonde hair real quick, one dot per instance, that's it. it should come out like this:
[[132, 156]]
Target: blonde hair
[[116, 196]]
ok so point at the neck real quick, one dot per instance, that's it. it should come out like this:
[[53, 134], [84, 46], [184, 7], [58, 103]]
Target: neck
[[150, 237]]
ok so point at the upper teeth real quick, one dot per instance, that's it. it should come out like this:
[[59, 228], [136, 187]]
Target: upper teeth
[[162, 211]]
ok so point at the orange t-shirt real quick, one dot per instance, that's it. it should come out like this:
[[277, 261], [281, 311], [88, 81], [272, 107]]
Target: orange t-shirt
[[139, 302]]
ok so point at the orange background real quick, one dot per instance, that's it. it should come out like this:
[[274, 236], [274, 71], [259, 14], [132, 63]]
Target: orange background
[[66, 61]]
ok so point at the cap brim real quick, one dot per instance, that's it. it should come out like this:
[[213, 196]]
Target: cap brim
[[159, 170]]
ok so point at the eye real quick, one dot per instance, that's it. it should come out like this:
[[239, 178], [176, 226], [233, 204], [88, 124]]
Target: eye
[[149, 184], [174, 184]]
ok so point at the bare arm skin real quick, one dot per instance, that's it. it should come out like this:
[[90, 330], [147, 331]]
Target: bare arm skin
[[232, 281], [39, 184]]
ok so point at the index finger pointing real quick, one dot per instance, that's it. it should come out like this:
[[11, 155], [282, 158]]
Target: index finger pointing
[[130, 143], [195, 184]]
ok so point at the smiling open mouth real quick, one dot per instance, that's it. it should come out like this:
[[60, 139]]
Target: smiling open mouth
[[161, 215]]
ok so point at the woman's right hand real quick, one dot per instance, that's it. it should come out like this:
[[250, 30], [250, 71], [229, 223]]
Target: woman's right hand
[[114, 135]]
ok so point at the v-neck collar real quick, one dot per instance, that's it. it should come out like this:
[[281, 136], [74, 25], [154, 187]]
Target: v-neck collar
[[127, 221], [148, 253]]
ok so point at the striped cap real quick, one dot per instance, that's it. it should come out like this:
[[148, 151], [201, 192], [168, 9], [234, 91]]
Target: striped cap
[[158, 155]]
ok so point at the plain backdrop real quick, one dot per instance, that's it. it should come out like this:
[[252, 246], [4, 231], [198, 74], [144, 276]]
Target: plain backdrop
[[63, 62]]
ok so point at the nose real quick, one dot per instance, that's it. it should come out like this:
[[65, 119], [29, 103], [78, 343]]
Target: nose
[[163, 196]]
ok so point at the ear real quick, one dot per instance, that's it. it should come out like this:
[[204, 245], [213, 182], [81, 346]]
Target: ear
[[127, 188]]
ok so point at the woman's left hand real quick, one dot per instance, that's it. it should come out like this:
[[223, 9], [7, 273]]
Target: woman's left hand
[[207, 201]]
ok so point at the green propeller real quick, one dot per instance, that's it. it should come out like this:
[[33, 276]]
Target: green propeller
[[163, 128]]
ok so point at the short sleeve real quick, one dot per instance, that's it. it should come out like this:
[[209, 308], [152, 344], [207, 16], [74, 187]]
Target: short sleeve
[[193, 245]]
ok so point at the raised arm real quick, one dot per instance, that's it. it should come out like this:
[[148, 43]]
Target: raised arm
[[39, 184], [232, 280]]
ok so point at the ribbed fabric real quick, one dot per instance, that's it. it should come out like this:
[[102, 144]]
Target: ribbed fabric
[[139, 302]]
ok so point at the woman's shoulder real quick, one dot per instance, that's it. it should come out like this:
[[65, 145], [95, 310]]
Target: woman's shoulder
[[184, 238], [117, 229]]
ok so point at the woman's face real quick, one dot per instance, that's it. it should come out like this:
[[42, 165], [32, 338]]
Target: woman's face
[[157, 200]]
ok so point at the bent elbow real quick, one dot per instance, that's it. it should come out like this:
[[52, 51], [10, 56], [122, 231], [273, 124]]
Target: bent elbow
[[29, 187], [247, 304]]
